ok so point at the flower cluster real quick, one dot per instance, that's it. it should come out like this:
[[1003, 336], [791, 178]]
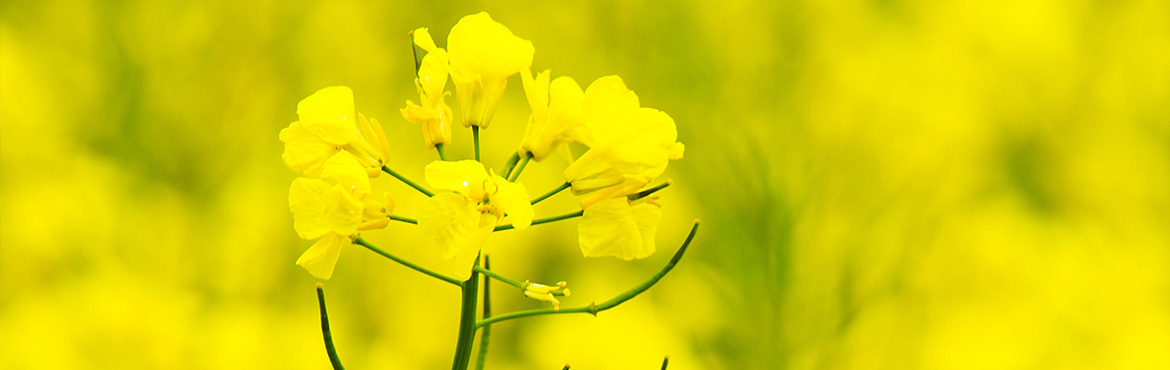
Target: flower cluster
[[338, 152]]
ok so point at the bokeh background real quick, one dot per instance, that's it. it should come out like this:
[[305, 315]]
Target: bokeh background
[[887, 184]]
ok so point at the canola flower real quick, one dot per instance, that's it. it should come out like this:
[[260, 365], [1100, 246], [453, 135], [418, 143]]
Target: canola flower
[[338, 151]]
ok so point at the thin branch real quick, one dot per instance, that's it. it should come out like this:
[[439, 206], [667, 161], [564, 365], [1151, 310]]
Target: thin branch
[[550, 193], [593, 309], [487, 312], [506, 280], [329, 348], [515, 158], [404, 219], [520, 168], [475, 137], [407, 181], [448, 279], [442, 153], [543, 220]]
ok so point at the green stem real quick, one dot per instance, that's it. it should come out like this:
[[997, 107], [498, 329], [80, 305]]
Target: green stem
[[665, 360], [593, 309], [550, 193], [414, 50], [506, 280], [543, 220], [523, 163], [329, 348], [364, 243], [515, 158], [406, 181], [442, 153], [404, 219], [475, 137], [647, 192], [485, 334], [467, 321]]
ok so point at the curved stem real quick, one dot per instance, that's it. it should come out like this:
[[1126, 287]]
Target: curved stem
[[486, 333], [329, 348], [506, 280], [467, 321], [403, 219], [550, 193], [407, 181], [520, 168], [515, 158], [593, 309], [543, 220], [448, 279]]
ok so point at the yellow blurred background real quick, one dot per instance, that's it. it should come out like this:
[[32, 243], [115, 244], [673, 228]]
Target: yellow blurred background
[[885, 184]]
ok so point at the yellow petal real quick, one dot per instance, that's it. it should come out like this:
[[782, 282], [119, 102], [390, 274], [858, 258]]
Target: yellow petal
[[513, 199], [451, 220], [465, 177], [536, 89], [482, 55], [307, 200], [303, 151], [611, 228], [346, 171], [329, 114], [320, 258], [606, 105], [422, 38], [432, 73]]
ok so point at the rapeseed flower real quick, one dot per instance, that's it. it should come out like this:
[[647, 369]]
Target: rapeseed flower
[[475, 202], [433, 114], [619, 227], [556, 113], [334, 208], [483, 55], [327, 126]]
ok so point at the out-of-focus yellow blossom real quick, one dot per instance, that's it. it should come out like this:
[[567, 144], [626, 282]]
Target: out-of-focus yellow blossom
[[483, 54], [556, 113], [460, 220], [628, 144], [327, 125], [543, 292], [434, 115], [333, 208], [620, 228]]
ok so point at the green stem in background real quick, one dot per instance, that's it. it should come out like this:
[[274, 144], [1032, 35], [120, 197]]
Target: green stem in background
[[404, 219], [406, 181], [442, 153], [448, 279], [506, 280], [414, 50], [329, 348], [467, 321], [515, 158], [550, 193], [665, 360], [543, 220], [644, 193], [593, 309], [566, 367], [520, 168], [475, 138], [486, 333]]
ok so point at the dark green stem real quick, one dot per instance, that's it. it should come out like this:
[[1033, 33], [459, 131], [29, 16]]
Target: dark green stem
[[475, 138], [543, 220], [520, 168], [515, 158], [644, 193], [329, 348], [364, 243], [442, 153], [551, 193], [593, 309], [467, 321], [414, 50], [665, 360], [404, 219], [406, 181], [486, 333]]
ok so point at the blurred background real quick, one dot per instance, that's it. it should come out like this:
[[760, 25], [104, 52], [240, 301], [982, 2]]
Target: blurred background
[[887, 184]]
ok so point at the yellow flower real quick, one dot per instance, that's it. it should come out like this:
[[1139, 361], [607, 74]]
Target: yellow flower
[[327, 125], [619, 228], [333, 208], [476, 202], [434, 115], [483, 54], [628, 144], [556, 113]]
